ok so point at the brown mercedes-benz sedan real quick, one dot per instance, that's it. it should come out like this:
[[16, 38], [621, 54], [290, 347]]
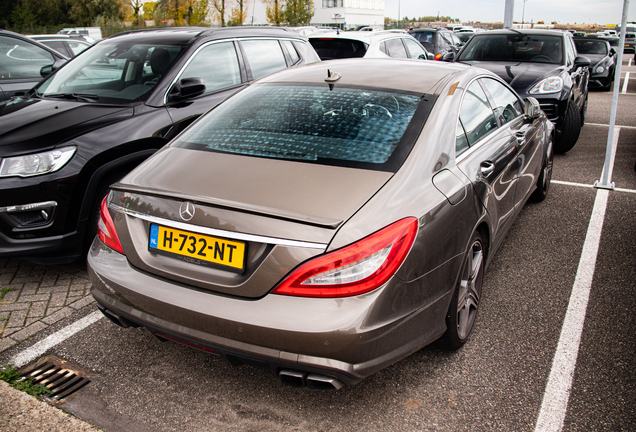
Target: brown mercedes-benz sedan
[[326, 221]]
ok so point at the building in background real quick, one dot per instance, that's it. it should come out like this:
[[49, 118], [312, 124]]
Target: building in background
[[345, 14]]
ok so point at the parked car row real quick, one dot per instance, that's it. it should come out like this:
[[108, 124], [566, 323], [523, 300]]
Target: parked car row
[[323, 219]]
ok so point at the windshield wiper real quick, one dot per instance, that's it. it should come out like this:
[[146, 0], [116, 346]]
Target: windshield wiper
[[80, 96]]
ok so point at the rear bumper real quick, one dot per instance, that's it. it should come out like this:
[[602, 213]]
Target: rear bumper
[[347, 338]]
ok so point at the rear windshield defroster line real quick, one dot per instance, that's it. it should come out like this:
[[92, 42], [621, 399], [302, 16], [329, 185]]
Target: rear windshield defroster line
[[349, 126]]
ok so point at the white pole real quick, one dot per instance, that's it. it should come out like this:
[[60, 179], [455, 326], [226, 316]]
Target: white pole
[[604, 183], [508, 11]]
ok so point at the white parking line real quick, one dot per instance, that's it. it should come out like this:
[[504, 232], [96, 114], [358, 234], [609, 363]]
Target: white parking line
[[45, 344], [629, 63], [583, 185], [557, 392], [625, 83]]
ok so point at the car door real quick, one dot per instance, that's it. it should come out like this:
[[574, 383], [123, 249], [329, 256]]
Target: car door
[[415, 50], [487, 154], [509, 110]]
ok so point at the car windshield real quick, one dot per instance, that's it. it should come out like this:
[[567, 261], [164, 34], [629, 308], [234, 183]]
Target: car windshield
[[591, 47], [514, 47], [114, 72], [354, 127]]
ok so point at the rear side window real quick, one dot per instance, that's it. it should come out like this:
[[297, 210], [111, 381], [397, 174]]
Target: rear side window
[[476, 115], [291, 51], [264, 57], [217, 64], [342, 126], [330, 48]]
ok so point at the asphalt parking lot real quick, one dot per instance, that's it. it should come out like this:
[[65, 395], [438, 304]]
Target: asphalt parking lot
[[512, 375]]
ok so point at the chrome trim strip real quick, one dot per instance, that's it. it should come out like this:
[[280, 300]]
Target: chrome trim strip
[[27, 207], [217, 232]]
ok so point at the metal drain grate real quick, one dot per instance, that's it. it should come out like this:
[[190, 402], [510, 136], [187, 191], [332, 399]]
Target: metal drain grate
[[61, 381]]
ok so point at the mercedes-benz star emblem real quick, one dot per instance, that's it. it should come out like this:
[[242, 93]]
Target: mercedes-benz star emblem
[[186, 211]]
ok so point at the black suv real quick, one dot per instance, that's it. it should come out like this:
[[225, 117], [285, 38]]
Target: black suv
[[543, 64], [21, 63], [108, 109], [437, 41]]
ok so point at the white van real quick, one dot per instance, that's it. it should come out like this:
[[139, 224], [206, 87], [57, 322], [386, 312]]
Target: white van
[[91, 32]]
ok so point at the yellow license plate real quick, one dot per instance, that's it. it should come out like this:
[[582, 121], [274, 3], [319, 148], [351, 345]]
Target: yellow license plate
[[198, 248]]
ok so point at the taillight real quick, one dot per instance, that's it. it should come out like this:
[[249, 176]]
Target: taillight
[[355, 269], [106, 229], [438, 56]]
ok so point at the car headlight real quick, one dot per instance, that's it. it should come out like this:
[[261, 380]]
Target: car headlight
[[36, 164], [548, 85], [599, 69]]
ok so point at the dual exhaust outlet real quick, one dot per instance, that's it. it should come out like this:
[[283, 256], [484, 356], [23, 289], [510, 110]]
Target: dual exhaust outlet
[[311, 381]]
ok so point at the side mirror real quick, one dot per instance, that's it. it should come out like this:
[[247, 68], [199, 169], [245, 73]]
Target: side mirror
[[430, 55], [581, 61], [532, 108], [612, 51], [49, 69], [424, 56], [187, 88], [448, 57]]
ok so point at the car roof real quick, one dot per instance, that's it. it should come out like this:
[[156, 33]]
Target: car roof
[[429, 29], [379, 73], [187, 35]]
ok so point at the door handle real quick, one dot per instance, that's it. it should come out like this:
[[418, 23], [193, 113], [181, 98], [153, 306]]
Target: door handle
[[521, 136], [486, 168]]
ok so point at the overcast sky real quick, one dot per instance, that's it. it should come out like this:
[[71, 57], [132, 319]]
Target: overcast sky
[[561, 11]]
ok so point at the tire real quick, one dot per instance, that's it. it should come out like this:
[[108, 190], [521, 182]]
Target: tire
[[570, 130], [464, 305], [543, 182]]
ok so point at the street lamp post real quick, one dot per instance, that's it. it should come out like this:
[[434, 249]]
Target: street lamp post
[[523, 13]]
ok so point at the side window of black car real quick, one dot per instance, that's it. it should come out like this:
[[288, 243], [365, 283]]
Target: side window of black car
[[476, 115], [263, 56], [217, 64], [507, 105], [570, 49]]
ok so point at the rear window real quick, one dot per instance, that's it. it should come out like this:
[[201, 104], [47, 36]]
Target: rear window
[[514, 47], [330, 48], [591, 46], [426, 38], [342, 126]]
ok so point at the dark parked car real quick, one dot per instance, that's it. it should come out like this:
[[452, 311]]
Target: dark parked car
[[603, 58], [539, 63], [326, 221], [21, 63], [68, 45], [107, 110], [439, 42]]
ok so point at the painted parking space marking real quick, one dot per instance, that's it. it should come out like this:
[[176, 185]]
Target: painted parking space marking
[[30, 354], [625, 83], [557, 392]]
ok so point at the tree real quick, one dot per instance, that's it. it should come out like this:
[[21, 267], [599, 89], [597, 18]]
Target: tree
[[239, 13], [218, 7], [298, 12], [274, 9], [149, 10]]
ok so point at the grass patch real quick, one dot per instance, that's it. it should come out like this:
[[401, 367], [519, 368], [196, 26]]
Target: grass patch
[[4, 291], [12, 377]]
